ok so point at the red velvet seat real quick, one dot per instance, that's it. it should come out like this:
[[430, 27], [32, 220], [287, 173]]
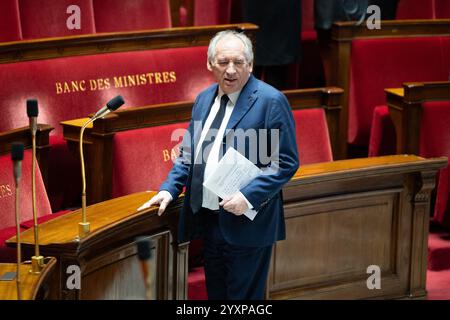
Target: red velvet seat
[[212, 12], [48, 18], [416, 9], [130, 15], [404, 59], [9, 21], [423, 9], [142, 158], [7, 202], [382, 135], [313, 140]]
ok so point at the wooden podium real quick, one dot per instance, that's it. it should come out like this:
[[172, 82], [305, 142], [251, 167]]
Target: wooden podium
[[343, 217], [107, 258], [33, 286]]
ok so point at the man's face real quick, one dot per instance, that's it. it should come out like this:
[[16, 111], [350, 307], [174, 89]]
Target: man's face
[[230, 68]]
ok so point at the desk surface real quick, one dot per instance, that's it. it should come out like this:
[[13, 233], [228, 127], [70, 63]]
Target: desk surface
[[30, 283]]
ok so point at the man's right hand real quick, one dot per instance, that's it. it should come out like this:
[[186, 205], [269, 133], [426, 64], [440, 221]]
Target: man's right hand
[[163, 198]]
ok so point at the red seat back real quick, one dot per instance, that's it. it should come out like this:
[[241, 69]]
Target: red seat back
[[73, 87], [313, 139], [9, 21], [442, 9], [130, 15], [7, 192], [212, 12], [423, 9], [142, 158], [403, 60], [416, 9], [435, 142], [48, 18]]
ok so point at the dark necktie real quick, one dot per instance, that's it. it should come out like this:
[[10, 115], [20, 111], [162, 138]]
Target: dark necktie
[[198, 170]]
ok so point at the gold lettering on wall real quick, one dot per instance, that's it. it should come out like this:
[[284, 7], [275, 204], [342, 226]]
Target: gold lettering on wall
[[174, 153], [119, 81], [5, 191]]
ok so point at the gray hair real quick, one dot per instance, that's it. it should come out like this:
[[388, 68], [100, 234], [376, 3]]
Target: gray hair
[[248, 47]]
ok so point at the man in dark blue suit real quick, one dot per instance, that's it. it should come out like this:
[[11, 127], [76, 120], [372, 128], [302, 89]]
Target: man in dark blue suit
[[255, 119]]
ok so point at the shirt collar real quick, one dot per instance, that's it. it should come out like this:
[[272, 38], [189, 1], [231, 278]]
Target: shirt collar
[[232, 96]]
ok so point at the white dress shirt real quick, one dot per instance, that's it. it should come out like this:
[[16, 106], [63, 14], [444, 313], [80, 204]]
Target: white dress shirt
[[210, 199]]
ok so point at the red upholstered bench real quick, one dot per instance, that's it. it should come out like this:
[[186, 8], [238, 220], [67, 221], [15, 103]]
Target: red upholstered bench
[[423, 9], [9, 21], [130, 15], [48, 18], [7, 202]]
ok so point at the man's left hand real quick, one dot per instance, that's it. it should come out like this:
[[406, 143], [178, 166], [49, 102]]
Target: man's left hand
[[236, 204]]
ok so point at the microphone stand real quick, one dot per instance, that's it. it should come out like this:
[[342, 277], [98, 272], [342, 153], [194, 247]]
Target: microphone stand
[[37, 261], [19, 253], [84, 227]]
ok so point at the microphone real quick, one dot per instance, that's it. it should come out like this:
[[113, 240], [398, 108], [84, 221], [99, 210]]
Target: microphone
[[32, 112], [17, 157], [84, 227], [145, 255], [112, 105]]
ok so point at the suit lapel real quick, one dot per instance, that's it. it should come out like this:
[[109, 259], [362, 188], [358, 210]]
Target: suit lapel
[[245, 101]]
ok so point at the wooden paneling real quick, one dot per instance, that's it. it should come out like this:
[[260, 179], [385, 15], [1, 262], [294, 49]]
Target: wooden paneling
[[345, 216]]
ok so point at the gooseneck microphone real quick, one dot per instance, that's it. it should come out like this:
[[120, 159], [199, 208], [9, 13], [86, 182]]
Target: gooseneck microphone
[[144, 251], [37, 261], [32, 112], [17, 157], [111, 106], [84, 227]]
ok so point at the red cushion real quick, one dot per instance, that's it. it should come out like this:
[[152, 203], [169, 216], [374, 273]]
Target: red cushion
[[159, 76], [313, 140], [30, 223], [307, 16], [442, 9], [197, 284], [7, 255], [119, 15], [48, 18], [7, 192], [9, 21], [416, 9], [404, 60], [212, 12], [144, 157], [435, 142], [382, 136]]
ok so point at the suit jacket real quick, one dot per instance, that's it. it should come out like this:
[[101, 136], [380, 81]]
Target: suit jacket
[[259, 106]]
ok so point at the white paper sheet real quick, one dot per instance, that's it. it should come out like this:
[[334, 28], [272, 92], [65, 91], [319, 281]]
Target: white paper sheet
[[233, 172]]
